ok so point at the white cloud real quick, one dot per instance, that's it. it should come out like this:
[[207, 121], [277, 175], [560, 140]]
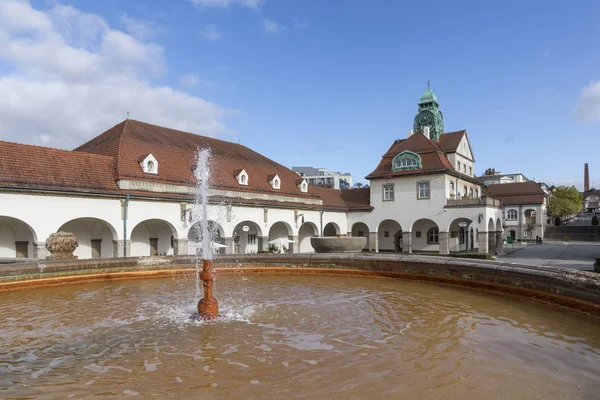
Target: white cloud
[[226, 3], [137, 28], [211, 32], [189, 80], [272, 27], [588, 106], [71, 76]]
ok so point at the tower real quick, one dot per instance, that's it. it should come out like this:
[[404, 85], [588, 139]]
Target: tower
[[429, 114], [586, 178]]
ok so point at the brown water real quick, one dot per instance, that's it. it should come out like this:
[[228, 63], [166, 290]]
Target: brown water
[[292, 337]]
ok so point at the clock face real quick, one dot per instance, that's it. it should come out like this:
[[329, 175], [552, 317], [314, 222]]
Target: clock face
[[425, 118]]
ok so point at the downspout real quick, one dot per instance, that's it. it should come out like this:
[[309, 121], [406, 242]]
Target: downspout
[[322, 211], [125, 204]]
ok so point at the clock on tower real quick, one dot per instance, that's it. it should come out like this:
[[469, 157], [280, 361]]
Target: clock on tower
[[429, 115]]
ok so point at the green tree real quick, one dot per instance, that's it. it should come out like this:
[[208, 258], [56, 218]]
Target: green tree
[[564, 201], [595, 220]]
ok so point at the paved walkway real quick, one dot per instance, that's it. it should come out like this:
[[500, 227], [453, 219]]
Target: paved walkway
[[575, 255]]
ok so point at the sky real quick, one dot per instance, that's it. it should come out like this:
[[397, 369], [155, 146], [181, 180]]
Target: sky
[[312, 83]]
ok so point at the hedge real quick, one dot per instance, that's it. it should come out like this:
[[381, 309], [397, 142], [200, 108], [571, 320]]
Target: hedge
[[479, 256], [595, 220]]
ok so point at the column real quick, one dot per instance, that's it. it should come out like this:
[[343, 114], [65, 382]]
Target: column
[[482, 242], [295, 246], [118, 248], [406, 242], [263, 243], [499, 242], [180, 247], [373, 242], [229, 243], [39, 250], [444, 240]]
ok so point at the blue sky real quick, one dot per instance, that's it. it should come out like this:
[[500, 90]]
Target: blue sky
[[333, 83]]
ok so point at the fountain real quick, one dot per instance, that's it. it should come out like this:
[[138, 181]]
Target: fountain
[[208, 306]]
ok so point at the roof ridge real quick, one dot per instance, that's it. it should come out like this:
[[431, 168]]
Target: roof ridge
[[57, 149], [117, 166]]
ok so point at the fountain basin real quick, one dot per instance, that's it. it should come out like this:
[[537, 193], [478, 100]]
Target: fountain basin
[[338, 244]]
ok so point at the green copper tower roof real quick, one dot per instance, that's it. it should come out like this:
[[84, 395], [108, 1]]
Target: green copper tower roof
[[428, 96]]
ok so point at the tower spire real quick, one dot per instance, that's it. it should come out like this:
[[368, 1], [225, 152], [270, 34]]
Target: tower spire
[[428, 84]]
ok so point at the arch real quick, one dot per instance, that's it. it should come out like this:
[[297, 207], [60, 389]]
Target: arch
[[422, 234], [194, 236], [360, 229], [389, 235], [152, 237], [247, 238], [331, 229], [499, 227], [460, 237], [306, 231], [491, 236], [491, 225], [95, 236], [17, 238], [281, 230]]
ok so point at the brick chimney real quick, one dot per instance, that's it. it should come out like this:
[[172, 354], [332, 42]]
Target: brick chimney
[[586, 178]]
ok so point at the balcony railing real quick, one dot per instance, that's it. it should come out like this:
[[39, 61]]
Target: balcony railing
[[474, 202]]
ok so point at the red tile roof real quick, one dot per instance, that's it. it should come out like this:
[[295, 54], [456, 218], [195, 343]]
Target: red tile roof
[[449, 141], [516, 193], [433, 159], [27, 166], [175, 152], [357, 199]]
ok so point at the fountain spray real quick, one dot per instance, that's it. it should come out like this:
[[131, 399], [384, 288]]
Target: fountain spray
[[208, 306]]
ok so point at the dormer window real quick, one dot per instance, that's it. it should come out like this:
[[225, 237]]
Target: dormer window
[[302, 185], [149, 164], [406, 160], [241, 176], [274, 181]]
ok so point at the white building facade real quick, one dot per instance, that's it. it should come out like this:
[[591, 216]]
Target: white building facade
[[131, 192]]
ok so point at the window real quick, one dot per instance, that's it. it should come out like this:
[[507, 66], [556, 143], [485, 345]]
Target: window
[[361, 233], [433, 236], [252, 239], [276, 183], [243, 179], [406, 160], [418, 234], [458, 162], [464, 190], [451, 187], [462, 235], [423, 190], [470, 170], [465, 168], [477, 193], [388, 192], [471, 192], [150, 166], [386, 234], [511, 215]]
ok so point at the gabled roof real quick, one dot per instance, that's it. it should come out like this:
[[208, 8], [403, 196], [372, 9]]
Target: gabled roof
[[449, 141], [517, 193], [35, 167], [175, 151], [433, 159]]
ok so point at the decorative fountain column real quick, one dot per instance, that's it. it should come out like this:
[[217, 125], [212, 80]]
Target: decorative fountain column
[[61, 245], [208, 306]]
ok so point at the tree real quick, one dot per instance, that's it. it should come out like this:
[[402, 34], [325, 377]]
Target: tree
[[564, 201], [358, 185], [595, 220]]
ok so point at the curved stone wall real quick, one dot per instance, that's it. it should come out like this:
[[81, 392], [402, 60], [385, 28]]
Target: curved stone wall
[[571, 288]]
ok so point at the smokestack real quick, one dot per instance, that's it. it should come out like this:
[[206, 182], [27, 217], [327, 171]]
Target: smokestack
[[426, 132], [586, 178]]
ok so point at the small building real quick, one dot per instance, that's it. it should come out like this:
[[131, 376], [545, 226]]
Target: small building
[[491, 177], [324, 178], [524, 212], [591, 200]]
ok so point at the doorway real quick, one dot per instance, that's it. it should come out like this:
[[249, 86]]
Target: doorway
[[22, 249], [96, 248], [153, 246]]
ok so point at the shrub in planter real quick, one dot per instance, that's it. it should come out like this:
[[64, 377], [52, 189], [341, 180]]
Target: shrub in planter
[[557, 221], [567, 239], [595, 220]]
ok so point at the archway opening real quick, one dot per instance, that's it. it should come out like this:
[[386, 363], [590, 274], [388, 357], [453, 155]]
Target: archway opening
[[215, 232], [17, 239], [389, 236], [307, 230], [360, 229], [280, 233], [425, 235], [247, 238], [491, 236], [152, 237], [530, 222], [460, 239], [331, 229], [96, 237]]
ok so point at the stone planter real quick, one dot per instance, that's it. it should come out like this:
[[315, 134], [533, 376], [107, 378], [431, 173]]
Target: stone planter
[[338, 244], [61, 246]]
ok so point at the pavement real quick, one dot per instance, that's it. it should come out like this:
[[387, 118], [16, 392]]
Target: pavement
[[574, 255]]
